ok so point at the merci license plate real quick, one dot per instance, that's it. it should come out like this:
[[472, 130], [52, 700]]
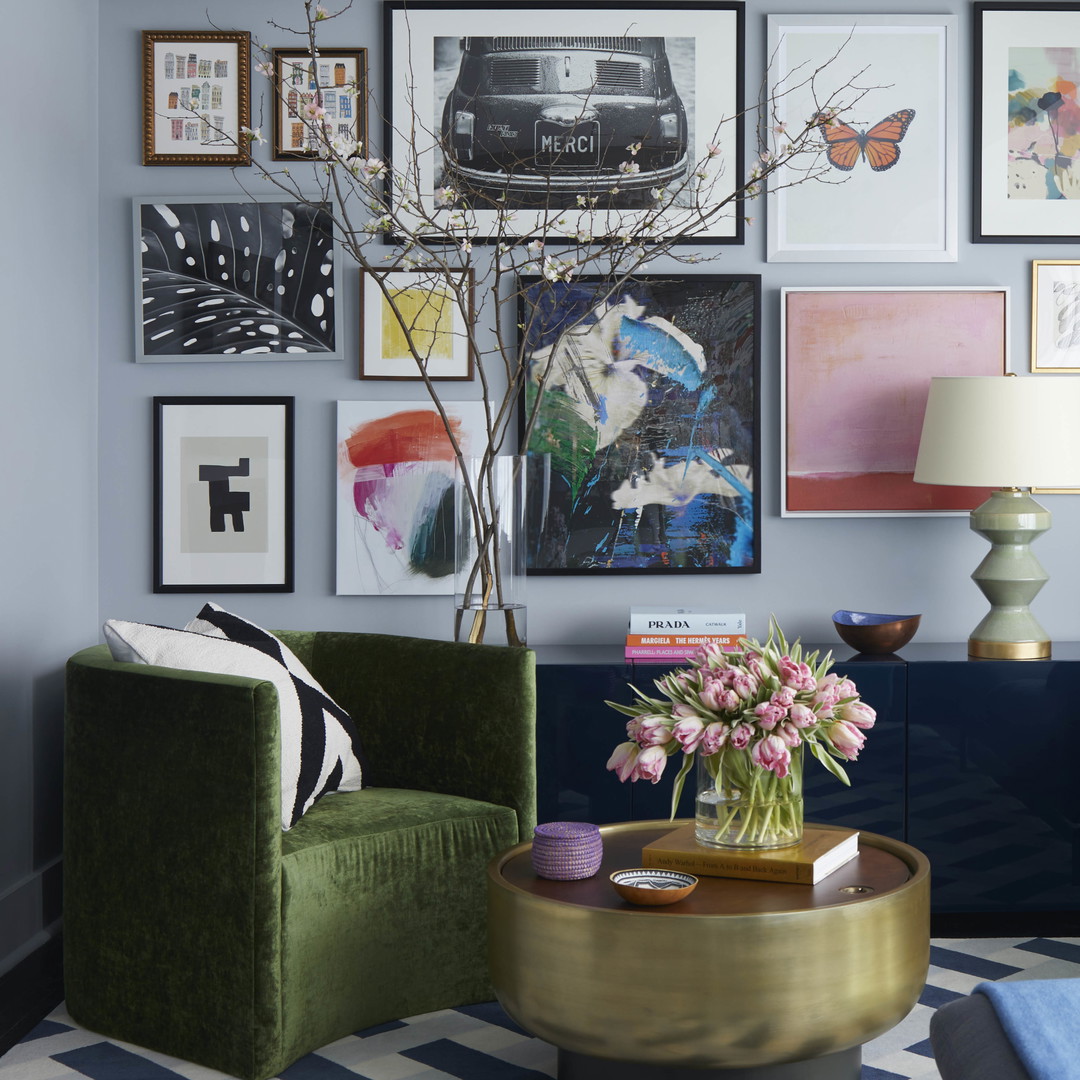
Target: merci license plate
[[557, 145]]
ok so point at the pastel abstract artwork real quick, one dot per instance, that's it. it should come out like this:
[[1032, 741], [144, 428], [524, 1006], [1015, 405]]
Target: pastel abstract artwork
[[1044, 122], [395, 506], [643, 455], [857, 367]]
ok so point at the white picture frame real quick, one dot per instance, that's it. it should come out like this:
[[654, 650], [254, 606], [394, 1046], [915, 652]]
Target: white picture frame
[[395, 495], [906, 212], [424, 43]]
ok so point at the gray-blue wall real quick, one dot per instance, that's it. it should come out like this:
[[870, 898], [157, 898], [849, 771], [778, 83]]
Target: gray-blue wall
[[48, 436], [75, 552]]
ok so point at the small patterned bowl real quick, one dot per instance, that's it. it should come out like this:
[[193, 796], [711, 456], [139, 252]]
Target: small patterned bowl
[[867, 632], [650, 888]]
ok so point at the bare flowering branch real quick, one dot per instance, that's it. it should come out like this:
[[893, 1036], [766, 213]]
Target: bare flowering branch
[[527, 230]]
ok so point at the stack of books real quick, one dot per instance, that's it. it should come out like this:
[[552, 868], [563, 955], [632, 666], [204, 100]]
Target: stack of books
[[821, 852], [667, 635]]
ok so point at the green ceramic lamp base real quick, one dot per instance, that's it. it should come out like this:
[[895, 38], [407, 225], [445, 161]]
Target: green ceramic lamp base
[[1010, 577]]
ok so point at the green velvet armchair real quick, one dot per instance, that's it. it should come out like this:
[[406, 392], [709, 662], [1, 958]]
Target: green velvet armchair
[[194, 926]]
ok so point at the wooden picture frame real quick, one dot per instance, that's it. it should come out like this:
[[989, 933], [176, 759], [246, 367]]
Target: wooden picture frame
[[338, 85], [856, 365], [438, 313], [223, 494], [908, 64], [231, 278], [684, 60], [180, 69], [644, 454], [1027, 176]]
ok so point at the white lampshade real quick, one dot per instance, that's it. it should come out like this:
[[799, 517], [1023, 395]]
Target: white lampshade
[[1001, 431]]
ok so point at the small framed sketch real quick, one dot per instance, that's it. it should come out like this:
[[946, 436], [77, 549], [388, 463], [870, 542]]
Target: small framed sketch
[[331, 90], [223, 494], [432, 308], [228, 278], [196, 97], [1055, 315]]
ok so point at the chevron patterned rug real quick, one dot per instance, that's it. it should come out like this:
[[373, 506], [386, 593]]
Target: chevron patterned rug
[[479, 1042]]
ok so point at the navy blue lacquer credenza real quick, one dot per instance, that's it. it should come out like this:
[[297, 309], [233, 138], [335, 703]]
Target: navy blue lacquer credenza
[[971, 761]]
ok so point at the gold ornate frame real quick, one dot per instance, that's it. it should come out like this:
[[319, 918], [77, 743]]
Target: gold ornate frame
[[159, 103]]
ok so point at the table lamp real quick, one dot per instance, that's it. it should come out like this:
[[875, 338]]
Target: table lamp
[[1011, 433]]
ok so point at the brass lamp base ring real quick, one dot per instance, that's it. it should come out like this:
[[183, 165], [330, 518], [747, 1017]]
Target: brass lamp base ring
[[1009, 650]]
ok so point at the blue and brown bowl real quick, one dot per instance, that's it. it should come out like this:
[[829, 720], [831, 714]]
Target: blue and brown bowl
[[873, 633]]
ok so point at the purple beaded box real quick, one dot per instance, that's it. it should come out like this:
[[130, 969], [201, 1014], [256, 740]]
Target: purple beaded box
[[567, 850]]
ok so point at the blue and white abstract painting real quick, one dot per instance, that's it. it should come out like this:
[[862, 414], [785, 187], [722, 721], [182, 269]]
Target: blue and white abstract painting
[[645, 446]]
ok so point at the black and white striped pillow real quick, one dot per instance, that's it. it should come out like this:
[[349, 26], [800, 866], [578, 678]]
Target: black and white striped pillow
[[320, 749]]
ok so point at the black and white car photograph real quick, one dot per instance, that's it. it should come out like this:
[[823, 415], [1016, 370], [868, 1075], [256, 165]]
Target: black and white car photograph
[[545, 119], [611, 109]]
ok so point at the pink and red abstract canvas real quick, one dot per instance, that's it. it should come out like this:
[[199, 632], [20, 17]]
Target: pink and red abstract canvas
[[395, 507], [857, 370]]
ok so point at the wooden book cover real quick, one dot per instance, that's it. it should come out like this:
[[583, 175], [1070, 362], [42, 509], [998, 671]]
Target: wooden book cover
[[820, 853]]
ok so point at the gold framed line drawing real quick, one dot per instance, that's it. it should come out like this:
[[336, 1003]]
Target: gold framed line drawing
[[1055, 315]]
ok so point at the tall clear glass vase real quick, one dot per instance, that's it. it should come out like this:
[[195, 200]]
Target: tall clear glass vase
[[489, 579], [741, 805]]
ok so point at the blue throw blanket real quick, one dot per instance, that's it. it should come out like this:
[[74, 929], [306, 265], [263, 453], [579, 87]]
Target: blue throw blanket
[[1042, 1020]]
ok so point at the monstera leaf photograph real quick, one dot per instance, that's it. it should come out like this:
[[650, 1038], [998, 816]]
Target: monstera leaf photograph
[[234, 280]]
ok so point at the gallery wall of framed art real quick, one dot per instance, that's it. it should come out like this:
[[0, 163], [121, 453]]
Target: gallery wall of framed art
[[917, 203]]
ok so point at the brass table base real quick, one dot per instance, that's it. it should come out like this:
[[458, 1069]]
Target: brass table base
[[844, 1065]]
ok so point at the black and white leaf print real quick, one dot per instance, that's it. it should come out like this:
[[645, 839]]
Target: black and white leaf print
[[237, 278]]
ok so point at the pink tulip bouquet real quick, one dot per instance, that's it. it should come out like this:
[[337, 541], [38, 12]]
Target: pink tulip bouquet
[[749, 715]]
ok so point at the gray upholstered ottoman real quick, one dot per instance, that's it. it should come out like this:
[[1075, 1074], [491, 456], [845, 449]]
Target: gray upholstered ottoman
[[970, 1044]]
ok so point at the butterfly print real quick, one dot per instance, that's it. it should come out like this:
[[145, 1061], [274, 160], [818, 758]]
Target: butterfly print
[[879, 146]]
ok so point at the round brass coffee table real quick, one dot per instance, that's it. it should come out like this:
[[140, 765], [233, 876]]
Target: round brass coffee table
[[751, 979]]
